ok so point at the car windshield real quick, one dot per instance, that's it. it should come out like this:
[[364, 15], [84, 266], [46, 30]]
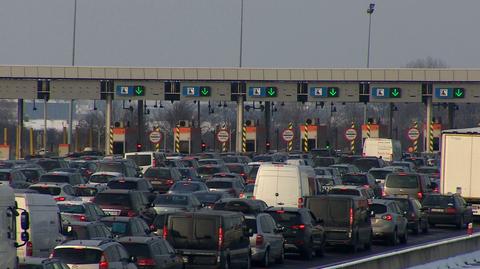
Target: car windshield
[[249, 188], [349, 179], [110, 167], [122, 184], [285, 218], [251, 225], [206, 170], [161, 173], [100, 178], [29, 174], [206, 197], [46, 190], [73, 209], [117, 227], [378, 208], [401, 181], [366, 164], [48, 164], [219, 184], [320, 172], [171, 200], [55, 178], [439, 200], [138, 250], [114, 199], [379, 174], [344, 191], [185, 187], [238, 169], [140, 159], [79, 255], [82, 191]]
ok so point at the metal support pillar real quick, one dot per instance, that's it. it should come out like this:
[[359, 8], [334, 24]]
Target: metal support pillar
[[451, 115], [268, 119], [428, 123], [390, 120], [70, 123], [45, 115], [20, 127], [140, 120], [198, 114], [108, 121], [238, 144]]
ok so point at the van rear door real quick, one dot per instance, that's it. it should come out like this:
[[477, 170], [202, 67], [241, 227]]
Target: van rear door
[[288, 187], [334, 211]]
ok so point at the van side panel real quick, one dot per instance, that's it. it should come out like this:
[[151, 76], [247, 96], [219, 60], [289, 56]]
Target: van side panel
[[8, 253]]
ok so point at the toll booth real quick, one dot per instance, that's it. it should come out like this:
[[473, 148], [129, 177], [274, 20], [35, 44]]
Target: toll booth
[[255, 138], [436, 133], [118, 140], [189, 139], [317, 136]]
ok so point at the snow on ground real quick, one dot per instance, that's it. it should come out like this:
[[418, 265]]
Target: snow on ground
[[468, 261]]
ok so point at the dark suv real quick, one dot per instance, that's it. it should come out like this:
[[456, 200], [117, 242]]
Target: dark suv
[[62, 177], [362, 179], [209, 239], [121, 202], [407, 184], [346, 219], [132, 183], [302, 232]]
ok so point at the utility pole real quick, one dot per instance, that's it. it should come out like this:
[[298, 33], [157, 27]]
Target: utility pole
[[370, 10], [239, 135]]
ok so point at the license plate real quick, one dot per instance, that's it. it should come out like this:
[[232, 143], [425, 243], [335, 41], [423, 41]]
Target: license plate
[[436, 210], [185, 259], [112, 212]]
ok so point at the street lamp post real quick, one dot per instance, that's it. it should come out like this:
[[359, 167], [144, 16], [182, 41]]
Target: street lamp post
[[370, 10], [71, 103]]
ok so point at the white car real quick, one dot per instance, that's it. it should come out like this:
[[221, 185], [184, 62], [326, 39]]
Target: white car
[[59, 191]]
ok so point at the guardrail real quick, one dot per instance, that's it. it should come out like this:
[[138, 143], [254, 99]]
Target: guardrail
[[416, 255]]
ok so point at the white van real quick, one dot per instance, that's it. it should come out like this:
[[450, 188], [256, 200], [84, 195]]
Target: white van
[[146, 159], [388, 149], [285, 185], [8, 252], [45, 225]]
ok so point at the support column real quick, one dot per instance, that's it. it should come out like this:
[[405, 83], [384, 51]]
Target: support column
[[268, 118], [141, 125], [20, 127], [390, 121], [70, 124], [108, 120], [45, 115], [451, 115], [238, 144], [428, 124]]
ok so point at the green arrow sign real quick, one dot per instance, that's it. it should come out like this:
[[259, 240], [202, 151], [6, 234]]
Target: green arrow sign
[[139, 90], [205, 91], [271, 91], [458, 93], [395, 92], [333, 92]]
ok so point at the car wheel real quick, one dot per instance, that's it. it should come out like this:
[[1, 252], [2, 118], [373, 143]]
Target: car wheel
[[308, 252], [394, 238], [281, 259], [425, 228], [320, 251], [417, 227], [404, 238], [460, 223], [266, 259]]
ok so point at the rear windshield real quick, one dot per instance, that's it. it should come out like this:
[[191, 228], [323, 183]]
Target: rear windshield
[[48, 164], [162, 173], [238, 206], [331, 210], [230, 159], [320, 172], [100, 178], [185, 172], [219, 184], [286, 218], [29, 174], [185, 187], [378, 208], [208, 197], [208, 170], [344, 192], [74, 209], [366, 164], [110, 167], [85, 191], [238, 169], [4, 176], [354, 179], [207, 162], [115, 199], [262, 159], [46, 190], [171, 200], [78, 255], [54, 178], [117, 227], [398, 181], [138, 250], [428, 170], [141, 160], [202, 235], [78, 165], [403, 204], [251, 225], [439, 200], [380, 174], [122, 184]]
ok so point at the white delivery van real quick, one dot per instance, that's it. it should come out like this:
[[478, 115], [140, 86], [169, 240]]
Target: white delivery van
[[146, 159], [285, 185], [388, 149], [45, 225], [8, 252]]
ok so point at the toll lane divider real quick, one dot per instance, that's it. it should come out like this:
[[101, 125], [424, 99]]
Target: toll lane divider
[[413, 256]]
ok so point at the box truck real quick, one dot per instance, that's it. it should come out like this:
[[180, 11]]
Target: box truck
[[387, 149]]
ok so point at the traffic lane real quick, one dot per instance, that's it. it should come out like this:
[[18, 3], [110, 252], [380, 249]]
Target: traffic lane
[[335, 255]]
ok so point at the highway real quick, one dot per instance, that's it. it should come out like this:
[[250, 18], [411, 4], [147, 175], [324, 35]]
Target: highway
[[334, 256]]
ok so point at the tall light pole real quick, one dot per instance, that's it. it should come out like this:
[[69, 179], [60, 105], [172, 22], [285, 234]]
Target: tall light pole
[[370, 10], [239, 128], [71, 103]]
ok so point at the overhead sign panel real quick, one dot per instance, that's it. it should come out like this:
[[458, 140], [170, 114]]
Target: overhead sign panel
[[334, 92], [139, 90], [18, 89], [396, 92], [456, 93], [205, 90], [275, 91], [75, 89]]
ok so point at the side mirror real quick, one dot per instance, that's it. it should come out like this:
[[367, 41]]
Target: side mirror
[[25, 221], [25, 236], [405, 213], [67, 230]]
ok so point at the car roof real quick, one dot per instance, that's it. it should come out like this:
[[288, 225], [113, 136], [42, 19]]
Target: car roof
[[107, 173], [60, 173], [51, 184], [287, 209], [382, 201], [350, 187], [189, 182], [96, 186], [209, 213], [117, 218], [88, 243], [137, 239], [131, 179], [119, 191], [83, 223], [73, 203]]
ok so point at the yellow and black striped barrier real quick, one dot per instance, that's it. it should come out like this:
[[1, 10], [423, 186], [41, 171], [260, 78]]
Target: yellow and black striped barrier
[[244, 138], [352, 143], [177, 139], [305, 138], [290, 143]]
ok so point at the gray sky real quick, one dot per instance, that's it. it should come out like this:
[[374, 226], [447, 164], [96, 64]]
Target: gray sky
[[277, 33]]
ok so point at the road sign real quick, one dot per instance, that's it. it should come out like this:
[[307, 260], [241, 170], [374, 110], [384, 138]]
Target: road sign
[[275, 91], [395, 92], [350, 134], [205, 90], [155, 137], [287, 135], [413, 134], [137, 90], [202, 91], [223, 136], [333, 91]]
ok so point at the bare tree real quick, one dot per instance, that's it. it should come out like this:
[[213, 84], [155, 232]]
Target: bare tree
[[428, 62]]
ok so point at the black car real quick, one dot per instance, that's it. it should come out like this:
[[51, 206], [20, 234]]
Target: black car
[[362, 179], [127, 226], [246, 206], [49, 164], [302, 232], [32, 173], [132, 183], [162, 178], [189, 173], [210, 239], [62, 177], [151, 252], [86, 230], [346, 219], [447, 209], [366, 163], [119, 166], [122, 202], [188, 187], [417, 218], [209, 198]]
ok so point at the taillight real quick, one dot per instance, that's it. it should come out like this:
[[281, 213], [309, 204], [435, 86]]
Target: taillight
[[241, 195], [298, 227], [300, 202], [60, 199], [220, 238], [259, 240], [103, 263], [81, 217], [436, 190], [170, 182], [29, 250], [145, 262], [419, 195], [253, 197], [154, 163], [351, 217], [451, 210], [131, 213], [387, 217], [366, 186], [52, 254], [165, 232], [383, 193]]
